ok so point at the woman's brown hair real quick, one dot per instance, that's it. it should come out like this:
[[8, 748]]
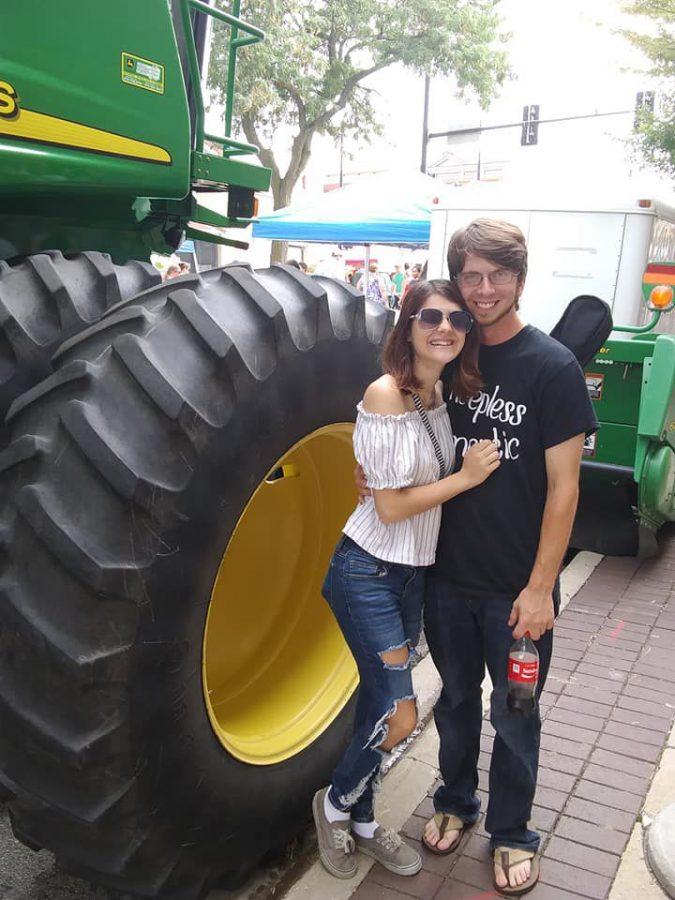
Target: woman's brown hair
[[398, 354]]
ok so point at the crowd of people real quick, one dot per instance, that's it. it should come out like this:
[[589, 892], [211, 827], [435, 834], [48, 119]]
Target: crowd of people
[[387, 288]]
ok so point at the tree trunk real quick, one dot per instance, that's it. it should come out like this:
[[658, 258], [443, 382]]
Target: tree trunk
[[282, 190], [279, 252]]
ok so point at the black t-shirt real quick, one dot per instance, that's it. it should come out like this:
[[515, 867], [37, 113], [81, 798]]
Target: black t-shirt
[[535, 397]]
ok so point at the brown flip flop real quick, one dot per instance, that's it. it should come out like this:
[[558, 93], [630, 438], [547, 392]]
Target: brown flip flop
[[445, 821], [506, 858]]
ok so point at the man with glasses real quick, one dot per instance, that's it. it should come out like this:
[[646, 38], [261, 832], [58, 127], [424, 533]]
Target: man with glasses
[[500, 549]]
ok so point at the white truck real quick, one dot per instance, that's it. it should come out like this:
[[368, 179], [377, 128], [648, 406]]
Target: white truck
[[575, 247]]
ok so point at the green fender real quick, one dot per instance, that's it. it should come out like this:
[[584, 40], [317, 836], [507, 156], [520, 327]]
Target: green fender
[[656, 499]]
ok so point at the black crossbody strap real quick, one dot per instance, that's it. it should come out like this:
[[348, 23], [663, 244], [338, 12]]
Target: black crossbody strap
[[421, 411]]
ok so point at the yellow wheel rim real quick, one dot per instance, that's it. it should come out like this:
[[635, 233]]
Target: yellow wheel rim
[[276, 669]]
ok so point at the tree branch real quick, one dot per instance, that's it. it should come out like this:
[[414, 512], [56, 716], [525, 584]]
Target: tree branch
[[331, 43], [265, 154], [300, 154], [321, 121], [297, 99]]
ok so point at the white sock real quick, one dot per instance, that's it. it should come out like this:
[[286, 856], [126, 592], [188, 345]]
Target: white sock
[[333, 814], [365, 829]]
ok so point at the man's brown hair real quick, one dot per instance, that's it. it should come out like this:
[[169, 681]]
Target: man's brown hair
[[500, 242], [398, 354]]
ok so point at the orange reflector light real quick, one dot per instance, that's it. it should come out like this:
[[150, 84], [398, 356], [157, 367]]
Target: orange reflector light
[[661, 297], [256, 204]]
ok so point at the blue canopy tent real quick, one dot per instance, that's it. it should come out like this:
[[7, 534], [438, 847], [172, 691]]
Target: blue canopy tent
[[394, 208], [383, 209]]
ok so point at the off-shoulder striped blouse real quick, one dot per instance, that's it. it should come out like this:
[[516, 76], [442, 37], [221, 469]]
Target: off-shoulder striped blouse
[[395, 451]]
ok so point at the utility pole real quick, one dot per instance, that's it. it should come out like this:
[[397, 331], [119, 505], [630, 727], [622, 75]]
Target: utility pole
[[342, 139], [425, 124]]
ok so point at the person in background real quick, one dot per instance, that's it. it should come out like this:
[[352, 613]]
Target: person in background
[[415, 275], [375, 583], [398, 280], [380, 288], [297, 264], [331, 266], [173, 272]]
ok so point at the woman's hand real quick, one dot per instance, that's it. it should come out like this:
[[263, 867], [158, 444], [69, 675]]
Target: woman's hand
[[480, 461], [361, 484]]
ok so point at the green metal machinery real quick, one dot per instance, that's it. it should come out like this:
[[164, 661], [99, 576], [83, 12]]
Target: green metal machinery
[[96, 144], [628, 472]]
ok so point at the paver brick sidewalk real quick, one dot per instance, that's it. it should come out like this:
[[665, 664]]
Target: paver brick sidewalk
[[608, 707]]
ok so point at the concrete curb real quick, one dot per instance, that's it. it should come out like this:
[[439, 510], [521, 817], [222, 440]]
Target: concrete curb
[[659, 845], [639, 874]]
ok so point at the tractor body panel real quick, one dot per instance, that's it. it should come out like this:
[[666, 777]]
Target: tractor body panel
[[96, 144], [94, 103], [628, 473]]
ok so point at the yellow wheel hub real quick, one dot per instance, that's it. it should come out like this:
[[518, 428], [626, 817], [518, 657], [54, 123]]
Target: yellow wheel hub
[[276, 669]]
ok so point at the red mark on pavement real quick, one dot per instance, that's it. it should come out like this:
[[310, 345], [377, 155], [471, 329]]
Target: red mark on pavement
[[617, 631]]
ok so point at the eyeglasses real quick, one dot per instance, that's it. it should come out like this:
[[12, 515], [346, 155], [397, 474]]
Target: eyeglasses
[[431, 318], [473, 279]]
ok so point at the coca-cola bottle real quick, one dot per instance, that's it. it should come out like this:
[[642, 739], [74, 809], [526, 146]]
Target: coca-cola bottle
[[523, 674]]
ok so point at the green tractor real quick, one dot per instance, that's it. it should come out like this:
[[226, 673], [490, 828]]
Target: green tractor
[[176, 466], [628, 471]]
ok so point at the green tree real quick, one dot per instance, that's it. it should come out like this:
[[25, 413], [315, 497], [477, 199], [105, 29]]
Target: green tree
[[655, 140], [309, 74]]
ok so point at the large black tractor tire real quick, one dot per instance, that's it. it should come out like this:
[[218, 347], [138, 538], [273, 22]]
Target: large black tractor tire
[[47, 298], [126, 476]]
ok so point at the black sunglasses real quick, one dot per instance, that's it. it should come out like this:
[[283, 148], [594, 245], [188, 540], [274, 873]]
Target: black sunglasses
[[430, 318]]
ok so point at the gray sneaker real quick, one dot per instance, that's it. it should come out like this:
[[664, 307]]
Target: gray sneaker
[[391, 851], [337, 849]]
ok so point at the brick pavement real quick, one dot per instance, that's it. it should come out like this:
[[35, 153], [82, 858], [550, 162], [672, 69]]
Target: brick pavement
[[607, 709]]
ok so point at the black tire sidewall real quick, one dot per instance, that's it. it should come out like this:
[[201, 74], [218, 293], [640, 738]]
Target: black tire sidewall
[[187, 775]]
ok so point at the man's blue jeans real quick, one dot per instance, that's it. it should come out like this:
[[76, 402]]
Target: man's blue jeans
[[467, 631]]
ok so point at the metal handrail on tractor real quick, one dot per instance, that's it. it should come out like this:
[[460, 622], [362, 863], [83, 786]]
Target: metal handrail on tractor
[[641, 329], [230, 146]]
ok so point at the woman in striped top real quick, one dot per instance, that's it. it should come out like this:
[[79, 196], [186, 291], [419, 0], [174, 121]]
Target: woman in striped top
[[375, 583]]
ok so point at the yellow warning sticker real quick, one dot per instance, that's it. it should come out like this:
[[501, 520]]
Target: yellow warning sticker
[[142, 73]]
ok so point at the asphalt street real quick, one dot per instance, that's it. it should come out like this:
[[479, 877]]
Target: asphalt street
[[25, 875]]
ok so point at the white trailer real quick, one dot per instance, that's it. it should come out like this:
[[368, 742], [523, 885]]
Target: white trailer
[[575, 247]]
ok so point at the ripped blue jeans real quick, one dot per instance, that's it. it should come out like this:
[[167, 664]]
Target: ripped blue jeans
[[378, 606]]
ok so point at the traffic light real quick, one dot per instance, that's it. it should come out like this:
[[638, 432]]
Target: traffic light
[[644, 103], [530, 130]]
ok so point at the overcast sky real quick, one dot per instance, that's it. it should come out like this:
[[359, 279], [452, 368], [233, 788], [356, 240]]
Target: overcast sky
[[565, 56]]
